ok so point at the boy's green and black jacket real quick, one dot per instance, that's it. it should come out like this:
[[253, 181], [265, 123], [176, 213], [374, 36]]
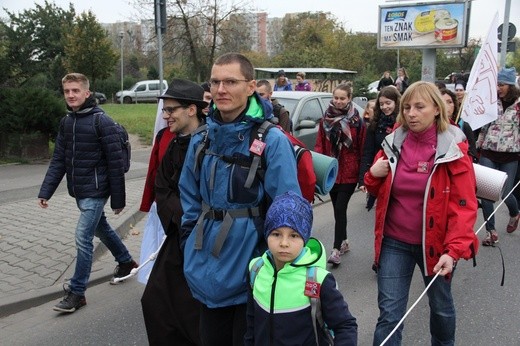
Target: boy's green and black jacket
[[278, 312]]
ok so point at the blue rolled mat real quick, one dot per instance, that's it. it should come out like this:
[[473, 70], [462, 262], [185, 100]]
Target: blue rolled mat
[[326, 170]]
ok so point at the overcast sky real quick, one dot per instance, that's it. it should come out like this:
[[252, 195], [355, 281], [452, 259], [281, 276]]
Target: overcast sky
[[357, 15]]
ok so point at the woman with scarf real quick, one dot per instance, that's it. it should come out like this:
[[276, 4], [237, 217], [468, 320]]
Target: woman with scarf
[[385, 113], [341, 134]]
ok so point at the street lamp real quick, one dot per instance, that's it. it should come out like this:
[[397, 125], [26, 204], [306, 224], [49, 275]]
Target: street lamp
[[121, 35]]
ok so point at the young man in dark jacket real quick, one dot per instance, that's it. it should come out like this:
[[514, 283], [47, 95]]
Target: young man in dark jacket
[[264, 89], [91, 156]]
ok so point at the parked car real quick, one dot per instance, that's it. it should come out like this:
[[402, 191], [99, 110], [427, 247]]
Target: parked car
[[449, 86], [306, 108], [143, 91], [100, 98], [372, 87]]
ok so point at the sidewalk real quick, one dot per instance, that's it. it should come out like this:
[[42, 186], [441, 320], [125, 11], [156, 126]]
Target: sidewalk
[[37, 247]]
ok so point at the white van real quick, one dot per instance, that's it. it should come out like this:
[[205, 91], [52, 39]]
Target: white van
[[143, 91]]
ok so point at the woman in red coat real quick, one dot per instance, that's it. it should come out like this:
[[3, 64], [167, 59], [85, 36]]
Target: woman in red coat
[[341, 134], [427, 207]]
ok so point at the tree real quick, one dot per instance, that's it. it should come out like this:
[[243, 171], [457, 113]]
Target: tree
[[5, 66], [467, 55], [238, 36], [513, 59], [196, 30], [133, 66], [33, 43], [88, 49], [307, 39]]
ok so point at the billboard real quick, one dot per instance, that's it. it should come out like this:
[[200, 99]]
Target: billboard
[[424, 25]]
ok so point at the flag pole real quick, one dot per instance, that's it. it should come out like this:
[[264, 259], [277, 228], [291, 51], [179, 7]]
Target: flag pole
[[460, 108]]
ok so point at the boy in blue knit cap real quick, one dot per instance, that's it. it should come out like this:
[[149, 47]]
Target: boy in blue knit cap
[[290, 286]]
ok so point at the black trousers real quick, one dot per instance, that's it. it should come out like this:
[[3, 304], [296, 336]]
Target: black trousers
[[340, 196], [171, 314], [223, 326]]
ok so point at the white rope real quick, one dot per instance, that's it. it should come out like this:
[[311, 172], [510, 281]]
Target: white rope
[[151, 258], [410, 310], [435, 277]]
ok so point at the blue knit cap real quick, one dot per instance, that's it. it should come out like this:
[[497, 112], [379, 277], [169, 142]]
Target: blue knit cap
[[290, 210], [507, 76]]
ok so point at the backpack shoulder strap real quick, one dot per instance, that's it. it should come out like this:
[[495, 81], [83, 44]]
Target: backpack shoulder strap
[[199, 129], [315, 302], [299, 151], [257, 133], [317, 317], [254, 271], [201, 147]]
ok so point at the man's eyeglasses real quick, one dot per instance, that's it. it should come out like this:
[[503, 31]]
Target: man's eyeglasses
[[170, 110], [228, 83]]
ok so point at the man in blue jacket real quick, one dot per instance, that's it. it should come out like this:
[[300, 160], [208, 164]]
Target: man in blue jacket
[[91, 156], [224, 208]]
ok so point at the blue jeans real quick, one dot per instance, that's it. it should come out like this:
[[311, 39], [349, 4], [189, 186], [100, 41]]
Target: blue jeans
[[511, 203], [93, 222], [394, 276]]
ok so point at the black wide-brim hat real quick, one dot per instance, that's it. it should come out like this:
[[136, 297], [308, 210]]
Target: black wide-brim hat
[[185, 91]]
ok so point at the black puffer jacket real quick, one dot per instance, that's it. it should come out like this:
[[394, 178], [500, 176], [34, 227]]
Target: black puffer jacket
[[94, 166]]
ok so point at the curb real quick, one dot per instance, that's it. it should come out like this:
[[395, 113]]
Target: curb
[[23, 301]]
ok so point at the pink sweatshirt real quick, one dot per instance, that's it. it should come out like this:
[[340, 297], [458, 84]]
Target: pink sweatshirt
[[404, 217]]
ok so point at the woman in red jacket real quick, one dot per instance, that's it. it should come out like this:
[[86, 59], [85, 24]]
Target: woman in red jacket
[[341, 135], [426, 210]]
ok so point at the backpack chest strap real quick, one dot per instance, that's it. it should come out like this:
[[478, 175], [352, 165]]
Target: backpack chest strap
[[227, 217]]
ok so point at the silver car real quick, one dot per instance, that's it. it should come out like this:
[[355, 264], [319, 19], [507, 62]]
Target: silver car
[[143, 91], [306, 108]]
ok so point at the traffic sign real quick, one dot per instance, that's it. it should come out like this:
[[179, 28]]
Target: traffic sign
[[511, 46], [510, 33]]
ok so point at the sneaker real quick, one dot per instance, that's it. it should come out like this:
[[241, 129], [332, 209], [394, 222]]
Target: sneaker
[[513, 224], [344, 247], [70, 303], [334, 257], [122, 270], [491, 238]]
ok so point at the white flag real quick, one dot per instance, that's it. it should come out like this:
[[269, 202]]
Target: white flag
[[480, 103]]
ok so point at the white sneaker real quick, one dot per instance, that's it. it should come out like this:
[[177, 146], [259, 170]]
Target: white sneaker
[[344, 247], [334, 257]]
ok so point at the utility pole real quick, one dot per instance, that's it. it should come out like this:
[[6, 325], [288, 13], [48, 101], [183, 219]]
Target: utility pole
[[160, 28], [121, 36], [505, 34]]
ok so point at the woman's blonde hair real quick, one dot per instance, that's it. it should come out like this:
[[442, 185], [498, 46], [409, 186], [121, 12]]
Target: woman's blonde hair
[[428, 92]]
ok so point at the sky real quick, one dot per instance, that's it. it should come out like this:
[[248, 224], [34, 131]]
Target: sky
[[356, 15]]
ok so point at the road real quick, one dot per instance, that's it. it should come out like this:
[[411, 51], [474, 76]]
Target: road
[[487, 313]]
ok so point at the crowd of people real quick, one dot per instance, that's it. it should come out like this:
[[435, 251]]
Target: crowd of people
[[234, 224]]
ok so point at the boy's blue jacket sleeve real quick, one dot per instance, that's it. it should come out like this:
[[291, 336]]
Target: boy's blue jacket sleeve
[[336, 313]]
